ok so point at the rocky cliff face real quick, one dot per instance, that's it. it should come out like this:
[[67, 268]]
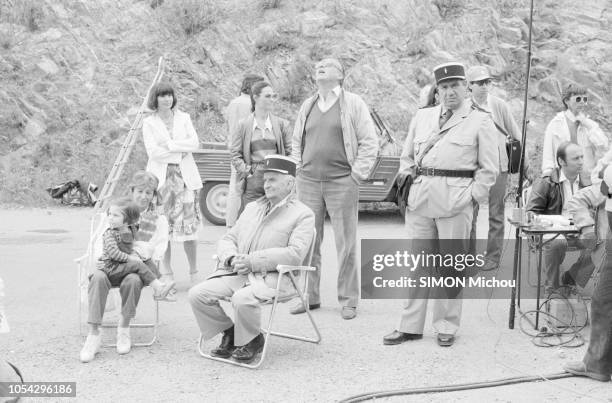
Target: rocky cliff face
[[73, 73]]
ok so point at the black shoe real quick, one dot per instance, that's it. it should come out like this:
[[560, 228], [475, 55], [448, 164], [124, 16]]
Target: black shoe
[[226, 348], [567, 279], [250, 350], [398, 337]]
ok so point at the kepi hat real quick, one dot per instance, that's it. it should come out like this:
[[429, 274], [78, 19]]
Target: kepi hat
[[279, 163], [449, 71]]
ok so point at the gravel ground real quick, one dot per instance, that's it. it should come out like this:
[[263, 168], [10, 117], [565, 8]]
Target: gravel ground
[[38, 247]]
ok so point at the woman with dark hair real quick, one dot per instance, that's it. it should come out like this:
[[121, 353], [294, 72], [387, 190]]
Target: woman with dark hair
[[238, 109], [258, 135], [169, 138]]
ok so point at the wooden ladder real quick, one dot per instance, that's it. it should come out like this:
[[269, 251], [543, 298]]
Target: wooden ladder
[[126, 149]]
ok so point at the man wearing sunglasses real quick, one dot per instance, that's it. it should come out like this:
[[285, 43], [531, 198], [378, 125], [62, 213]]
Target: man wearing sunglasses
[[573, 124], [479, 84], [335, 143]]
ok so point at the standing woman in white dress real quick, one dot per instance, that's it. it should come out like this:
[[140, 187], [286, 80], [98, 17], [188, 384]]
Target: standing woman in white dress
[[169, 138]]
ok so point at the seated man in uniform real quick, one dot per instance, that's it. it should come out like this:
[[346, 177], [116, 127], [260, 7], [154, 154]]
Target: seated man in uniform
[[551, 195], [274, 229]]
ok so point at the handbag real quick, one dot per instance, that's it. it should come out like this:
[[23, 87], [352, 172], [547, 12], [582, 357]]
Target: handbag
[[513, 150]]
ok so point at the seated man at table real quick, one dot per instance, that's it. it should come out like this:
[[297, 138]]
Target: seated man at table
[[551, 195], [274, 229]]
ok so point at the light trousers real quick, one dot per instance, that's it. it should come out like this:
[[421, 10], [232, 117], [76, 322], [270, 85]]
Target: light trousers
[[212, 319], [446, 312]]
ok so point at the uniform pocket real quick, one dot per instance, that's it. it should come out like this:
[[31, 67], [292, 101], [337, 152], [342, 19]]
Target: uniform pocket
[[461, 140]]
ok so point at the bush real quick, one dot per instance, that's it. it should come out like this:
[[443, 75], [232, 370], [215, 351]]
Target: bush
[[29, 13], [193, 16], [449, 8], [269, 4]]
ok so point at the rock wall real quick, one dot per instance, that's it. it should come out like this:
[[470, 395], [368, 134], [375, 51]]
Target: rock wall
[[73, 73]]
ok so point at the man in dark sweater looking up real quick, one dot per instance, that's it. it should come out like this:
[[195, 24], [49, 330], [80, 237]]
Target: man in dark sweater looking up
[[335, 144]]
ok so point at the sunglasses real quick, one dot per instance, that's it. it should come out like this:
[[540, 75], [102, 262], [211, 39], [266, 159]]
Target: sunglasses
[[582, 98], [480, 83]]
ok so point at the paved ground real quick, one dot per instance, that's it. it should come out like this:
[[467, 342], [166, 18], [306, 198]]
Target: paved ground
[[37, 248]]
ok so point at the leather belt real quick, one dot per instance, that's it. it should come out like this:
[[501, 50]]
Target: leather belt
[[453, 173]]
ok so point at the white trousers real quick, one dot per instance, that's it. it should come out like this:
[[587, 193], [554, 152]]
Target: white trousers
[[446, 312], [212, 319]]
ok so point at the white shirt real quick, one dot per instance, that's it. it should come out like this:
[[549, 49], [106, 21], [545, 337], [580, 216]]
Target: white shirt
[[332, 97], [569, 189], [265, 132], [593, 141]]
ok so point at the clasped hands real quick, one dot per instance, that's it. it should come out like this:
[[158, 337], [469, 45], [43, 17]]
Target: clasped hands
[[241, 263]]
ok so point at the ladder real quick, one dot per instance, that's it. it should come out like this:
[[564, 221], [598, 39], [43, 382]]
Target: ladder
[[126, 149]]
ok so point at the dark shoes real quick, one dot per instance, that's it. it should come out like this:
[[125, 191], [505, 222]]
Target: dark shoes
[[248, 352], [579, 368], [299, 308], [445, 340], [398, 337], [226, 348]]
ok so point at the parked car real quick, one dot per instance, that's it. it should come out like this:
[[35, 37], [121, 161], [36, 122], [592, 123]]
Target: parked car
[[213, 161]]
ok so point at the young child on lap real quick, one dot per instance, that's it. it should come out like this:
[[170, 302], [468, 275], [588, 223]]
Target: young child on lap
[[118, 259]]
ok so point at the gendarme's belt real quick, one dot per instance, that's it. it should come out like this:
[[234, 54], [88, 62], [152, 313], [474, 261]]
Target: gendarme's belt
[[453, 173]]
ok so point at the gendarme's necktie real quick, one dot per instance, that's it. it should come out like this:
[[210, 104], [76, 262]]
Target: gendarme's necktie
[[445, 116]]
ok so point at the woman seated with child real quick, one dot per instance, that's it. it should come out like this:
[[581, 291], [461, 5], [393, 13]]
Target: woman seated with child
[[130, 240]]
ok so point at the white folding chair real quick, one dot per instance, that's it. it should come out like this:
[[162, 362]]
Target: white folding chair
[[86, 265], [283, 270]]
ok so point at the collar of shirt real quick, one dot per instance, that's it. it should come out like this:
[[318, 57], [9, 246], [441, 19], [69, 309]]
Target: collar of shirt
[[563, 179], [569, 189], [268, 124], [333, 95], [484, 105], [570, 115], [269, 208]]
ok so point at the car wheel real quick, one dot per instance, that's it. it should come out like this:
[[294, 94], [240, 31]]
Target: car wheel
[[213, 201]]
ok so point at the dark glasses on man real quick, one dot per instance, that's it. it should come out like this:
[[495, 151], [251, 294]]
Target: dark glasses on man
[[480, 83], [581, 98]]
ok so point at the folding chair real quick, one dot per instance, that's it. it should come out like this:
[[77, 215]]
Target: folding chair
[[283, 270], [86, 265]]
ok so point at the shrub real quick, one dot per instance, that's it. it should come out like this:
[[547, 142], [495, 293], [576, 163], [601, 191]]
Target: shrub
[[29, 13], [449, 8], [193, 16], [269, 4]]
